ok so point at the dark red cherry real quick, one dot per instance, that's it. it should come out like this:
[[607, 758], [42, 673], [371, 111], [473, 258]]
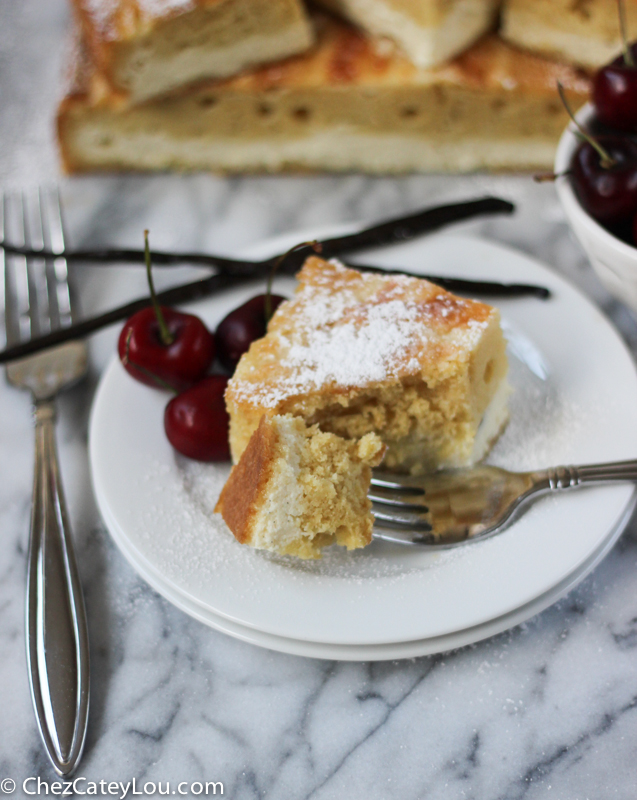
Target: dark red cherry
[[609, 194], [241, 327], [196, 421], [615, 93], [176, 365]]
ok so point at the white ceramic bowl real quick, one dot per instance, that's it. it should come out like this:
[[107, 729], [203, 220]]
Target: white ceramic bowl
[[614, 261]]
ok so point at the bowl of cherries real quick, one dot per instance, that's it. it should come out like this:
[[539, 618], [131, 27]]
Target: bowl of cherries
[[596, 169]]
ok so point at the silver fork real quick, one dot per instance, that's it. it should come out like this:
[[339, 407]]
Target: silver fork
[[37, 299], [454, 507]]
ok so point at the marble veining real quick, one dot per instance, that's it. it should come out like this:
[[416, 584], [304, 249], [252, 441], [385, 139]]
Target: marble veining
[[548, 709]]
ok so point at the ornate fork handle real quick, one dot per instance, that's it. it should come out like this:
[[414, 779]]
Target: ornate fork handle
[[57, 637], [559, 478]]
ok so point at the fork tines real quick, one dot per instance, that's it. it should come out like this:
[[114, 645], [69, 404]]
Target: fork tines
[[36, 292], [397, 504], [400, 483]]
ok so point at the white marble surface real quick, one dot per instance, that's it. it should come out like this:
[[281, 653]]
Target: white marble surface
[[548, 709]]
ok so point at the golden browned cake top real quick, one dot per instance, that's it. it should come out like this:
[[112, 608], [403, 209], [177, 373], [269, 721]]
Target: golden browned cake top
[[344, 57], [244, 488], [344, 329]]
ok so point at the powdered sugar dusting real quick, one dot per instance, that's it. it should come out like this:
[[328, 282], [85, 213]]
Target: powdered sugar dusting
[[201, 546], [343, 329], [102, 13], [159, 8], [543, 425], [354, 354], [541, 432]]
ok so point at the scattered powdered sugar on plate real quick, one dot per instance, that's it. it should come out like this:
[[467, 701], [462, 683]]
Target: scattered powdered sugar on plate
[[201, 544], [542, 425], [541, 428]]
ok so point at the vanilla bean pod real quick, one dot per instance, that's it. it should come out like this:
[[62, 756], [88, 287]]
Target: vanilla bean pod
[[234, 271], [382, 234], [177, 294], [467, 285], [197, 290]]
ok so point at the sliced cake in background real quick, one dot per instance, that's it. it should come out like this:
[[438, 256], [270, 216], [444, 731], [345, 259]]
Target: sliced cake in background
[[148, 47], [397, 356], [429, 32], [296, 489], [585, 32], [339, 107]]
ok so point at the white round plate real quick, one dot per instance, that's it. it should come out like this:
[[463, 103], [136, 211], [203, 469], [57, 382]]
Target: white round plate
[[575, 402], [378, 652]]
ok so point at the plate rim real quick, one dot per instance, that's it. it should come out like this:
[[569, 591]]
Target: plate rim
[[379, 652]]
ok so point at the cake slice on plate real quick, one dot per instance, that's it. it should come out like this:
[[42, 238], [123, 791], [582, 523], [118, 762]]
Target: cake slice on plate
[[429, 32], [144, 48], [297, 489], [398, 356]]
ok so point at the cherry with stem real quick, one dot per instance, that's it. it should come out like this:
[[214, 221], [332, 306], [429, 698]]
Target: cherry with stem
[[615, 85], [161, 347], [603, 174], [605, 159], [316, 246], [249, 322]]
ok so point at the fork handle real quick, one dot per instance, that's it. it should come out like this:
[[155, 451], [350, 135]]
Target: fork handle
[[558, 478], [57, 636]]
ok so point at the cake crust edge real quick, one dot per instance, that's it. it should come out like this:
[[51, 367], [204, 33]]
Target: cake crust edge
[[240, 497]]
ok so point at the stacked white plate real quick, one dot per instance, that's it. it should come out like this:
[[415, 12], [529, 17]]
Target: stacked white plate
[[575, 401]]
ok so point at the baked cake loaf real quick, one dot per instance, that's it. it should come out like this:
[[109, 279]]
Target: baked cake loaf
[[429, 32], [296, 489], [584, 32], [148, 47], [361, 352], [341, 106]]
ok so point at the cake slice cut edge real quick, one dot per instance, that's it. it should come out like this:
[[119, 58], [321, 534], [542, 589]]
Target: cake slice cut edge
[[297, 489]]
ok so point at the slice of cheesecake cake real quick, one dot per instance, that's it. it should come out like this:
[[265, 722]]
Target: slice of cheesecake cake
[[341, 106], [144, 48], [428, 32], [297, 489], [394, 355]]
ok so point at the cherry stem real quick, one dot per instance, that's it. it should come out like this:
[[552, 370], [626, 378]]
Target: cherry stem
[[161, 383], [606, 160], [316, 246], [164, 334], [550, 177], [629, 61]]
